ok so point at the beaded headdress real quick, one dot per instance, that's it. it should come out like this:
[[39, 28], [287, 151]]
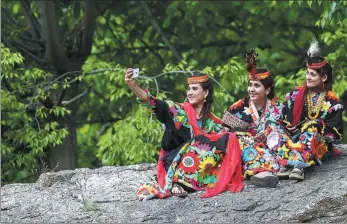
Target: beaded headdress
[[251, 59], [197, 79]]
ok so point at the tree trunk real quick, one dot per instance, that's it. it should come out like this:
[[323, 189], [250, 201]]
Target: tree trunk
[[65, 156]]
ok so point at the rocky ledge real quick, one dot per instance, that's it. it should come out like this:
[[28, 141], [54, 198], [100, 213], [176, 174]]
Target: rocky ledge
[[108, 195]]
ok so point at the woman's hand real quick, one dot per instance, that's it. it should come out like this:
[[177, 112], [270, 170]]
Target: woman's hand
[[292, 129], [128, 77], [140, 93]]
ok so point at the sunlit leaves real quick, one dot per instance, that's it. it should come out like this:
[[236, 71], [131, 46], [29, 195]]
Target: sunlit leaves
[[26, 131], [133, 140]]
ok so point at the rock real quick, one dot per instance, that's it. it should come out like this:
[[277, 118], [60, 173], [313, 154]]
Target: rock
[[108, 195]]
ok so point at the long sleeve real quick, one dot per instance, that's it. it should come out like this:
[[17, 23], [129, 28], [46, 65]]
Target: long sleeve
[[333, 123], [160, 108]]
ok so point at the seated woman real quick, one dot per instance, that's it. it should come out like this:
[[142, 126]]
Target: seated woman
[[314, 117], [197, 152], [263, 112]]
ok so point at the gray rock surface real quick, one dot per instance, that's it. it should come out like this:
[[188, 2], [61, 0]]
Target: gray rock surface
[[108, 195]]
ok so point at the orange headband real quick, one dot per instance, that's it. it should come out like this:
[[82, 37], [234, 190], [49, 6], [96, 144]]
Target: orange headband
[[316, 65], [199, 79], [259, 76]]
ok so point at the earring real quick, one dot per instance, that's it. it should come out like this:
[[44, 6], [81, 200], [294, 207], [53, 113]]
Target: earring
[[204, 98], [323, 84]]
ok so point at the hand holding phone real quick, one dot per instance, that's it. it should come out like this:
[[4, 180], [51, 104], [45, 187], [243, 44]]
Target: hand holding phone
[[129, 76], [136, 73]]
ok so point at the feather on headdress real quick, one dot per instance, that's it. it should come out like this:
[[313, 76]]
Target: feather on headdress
[[313, 52], [251, 59], [314, 49]]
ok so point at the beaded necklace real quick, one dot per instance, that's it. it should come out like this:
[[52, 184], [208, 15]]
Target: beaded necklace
[[313, 110]]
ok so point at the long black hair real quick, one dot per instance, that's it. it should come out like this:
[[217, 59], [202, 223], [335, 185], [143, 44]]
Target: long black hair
[[206, 107]]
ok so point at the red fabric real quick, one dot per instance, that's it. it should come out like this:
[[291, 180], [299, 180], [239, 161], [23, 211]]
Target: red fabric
[[314, 146], [336, 152], [230, 174], [161, 172], [316, 65], [298, 105]]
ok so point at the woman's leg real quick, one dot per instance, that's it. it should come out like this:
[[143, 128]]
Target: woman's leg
[[301, 150], [258, 162], [197, 164]]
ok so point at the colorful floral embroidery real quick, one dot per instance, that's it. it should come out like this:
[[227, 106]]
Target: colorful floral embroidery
[[311, 143]]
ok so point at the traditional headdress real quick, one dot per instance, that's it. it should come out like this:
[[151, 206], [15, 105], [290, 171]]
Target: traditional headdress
[[197, 79], [251, 59], [316, 62], [313, 60]]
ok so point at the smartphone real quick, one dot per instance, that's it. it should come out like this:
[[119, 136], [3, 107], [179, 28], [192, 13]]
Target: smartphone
[[136, 73]]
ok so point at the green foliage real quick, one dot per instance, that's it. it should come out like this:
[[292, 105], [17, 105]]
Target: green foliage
[[132, 140], [25, 135]]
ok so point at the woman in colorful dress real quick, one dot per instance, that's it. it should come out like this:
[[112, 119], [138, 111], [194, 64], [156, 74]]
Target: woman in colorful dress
[[263, 112], [197, 153], [313, 115]]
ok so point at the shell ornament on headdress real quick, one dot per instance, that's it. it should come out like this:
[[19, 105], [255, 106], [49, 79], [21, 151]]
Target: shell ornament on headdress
[[251, 59]]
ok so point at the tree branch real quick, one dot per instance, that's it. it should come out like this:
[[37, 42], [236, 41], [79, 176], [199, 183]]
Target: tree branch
[[7, 43], [33, 25], [5, 15], [40, 61], [98, 121], [153, 52], [90, 15], [52, 35], [65, 103], [27, 47], [7, 85], [160, 31], [41, 42]]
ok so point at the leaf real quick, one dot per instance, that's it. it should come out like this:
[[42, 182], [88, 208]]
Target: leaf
[[322, 23], [167, 22], [309, 3]]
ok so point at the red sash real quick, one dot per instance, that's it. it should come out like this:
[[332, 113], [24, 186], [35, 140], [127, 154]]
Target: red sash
[[230, 174], [298, 105]]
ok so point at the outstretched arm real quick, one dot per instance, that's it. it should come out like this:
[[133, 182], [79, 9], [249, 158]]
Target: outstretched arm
[[140, 93]]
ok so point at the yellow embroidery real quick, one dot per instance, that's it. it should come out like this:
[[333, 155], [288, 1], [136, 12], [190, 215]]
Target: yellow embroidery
[[313, 110], [337, 132]]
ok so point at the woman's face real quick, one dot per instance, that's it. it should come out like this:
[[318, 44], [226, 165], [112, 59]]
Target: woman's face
[[313, 79], [196, 94], [256, 91]]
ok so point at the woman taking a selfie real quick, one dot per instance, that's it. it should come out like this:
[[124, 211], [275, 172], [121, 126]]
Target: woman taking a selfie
[[197, 153]]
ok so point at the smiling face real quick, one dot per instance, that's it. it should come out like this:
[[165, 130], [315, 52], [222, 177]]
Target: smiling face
[[256, 91], [196, 94], [313, 79]]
